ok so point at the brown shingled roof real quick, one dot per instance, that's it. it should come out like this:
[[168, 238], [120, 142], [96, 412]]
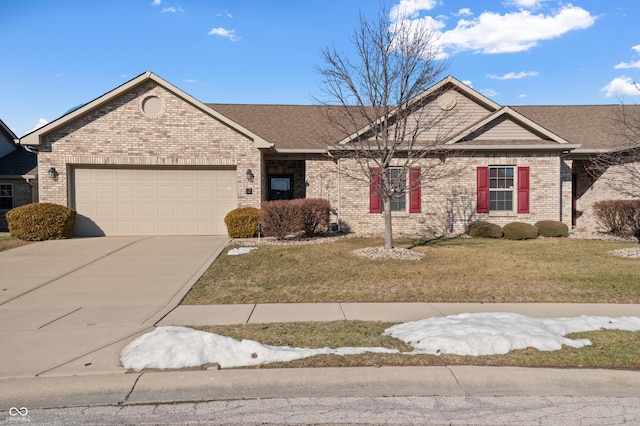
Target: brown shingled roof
[[287, 126], [592, 126], [307, 126]]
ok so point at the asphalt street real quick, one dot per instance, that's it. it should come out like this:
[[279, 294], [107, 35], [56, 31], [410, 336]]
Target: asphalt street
[[404, 410]]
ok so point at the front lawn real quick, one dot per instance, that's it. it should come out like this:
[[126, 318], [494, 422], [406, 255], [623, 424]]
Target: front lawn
[[552, 270]]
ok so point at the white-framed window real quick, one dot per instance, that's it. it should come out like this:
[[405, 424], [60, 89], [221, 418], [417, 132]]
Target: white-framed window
[[501, 188], [6, 196], [398, 181]]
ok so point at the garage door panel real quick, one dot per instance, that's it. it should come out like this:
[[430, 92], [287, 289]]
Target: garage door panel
[[153, 201]]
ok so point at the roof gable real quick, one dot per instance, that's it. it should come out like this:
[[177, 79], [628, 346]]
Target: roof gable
[[34, 138], [508, 126], [7, 139], [447, 97]]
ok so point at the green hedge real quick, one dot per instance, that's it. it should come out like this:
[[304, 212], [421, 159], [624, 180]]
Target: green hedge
[[520, 231], [552, 228], [481, 229]]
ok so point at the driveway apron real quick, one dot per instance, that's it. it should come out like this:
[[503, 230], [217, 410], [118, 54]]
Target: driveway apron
[[69, 306]]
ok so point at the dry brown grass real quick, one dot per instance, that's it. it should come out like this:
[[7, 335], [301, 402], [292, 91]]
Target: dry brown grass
[[7, 242], [610, 348], [452, 270]]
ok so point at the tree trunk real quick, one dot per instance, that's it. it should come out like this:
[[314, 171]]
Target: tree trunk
[[388, 229]]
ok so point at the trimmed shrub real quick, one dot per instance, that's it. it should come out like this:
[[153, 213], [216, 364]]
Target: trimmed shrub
[[314, 214], [242, 222], [481, 229], [41, 221], [552, 228], [280, 218], [620, 217], [520, 231]]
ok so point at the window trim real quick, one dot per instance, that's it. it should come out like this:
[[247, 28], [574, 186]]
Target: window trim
[[521, 184], [9, 197], [511, 189], [412, 191]]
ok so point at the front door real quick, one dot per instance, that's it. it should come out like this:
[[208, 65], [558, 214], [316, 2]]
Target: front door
[[280, 188]]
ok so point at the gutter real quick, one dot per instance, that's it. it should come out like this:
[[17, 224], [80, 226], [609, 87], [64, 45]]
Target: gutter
[[301, 151]]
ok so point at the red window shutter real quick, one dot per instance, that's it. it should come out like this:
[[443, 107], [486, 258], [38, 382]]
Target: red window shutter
[[482, 190], [523, 189], [375, 202], [415, 192]]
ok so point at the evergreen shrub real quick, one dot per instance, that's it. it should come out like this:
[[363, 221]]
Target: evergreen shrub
[[41, 221]]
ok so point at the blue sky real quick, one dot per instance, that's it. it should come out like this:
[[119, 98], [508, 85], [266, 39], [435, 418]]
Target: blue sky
[[60, 54]]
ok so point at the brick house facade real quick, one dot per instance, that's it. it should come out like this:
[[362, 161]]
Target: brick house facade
[[148, 158]]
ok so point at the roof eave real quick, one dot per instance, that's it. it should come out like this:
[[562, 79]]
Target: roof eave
[[548, 147], [35, 138], [300, 150]]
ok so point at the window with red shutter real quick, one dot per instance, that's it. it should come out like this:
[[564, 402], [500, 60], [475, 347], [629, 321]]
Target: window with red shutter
[[523, 189], [482, 189], [375, 202], [415, 192]]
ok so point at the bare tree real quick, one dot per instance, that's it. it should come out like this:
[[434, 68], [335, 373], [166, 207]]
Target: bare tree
[[383, 107]]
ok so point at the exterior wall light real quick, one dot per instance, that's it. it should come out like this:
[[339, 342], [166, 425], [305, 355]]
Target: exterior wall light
[[53, 173], [250, 175]]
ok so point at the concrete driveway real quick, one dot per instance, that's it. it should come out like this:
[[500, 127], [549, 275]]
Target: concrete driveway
[[68, 307]]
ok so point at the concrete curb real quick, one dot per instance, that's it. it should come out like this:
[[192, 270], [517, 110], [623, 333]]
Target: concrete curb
[[200, 386]]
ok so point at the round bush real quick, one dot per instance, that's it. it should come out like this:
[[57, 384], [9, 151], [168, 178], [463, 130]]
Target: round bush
[[41, 221], [242, 222], [520, 231], [481, 229], [552, 228]]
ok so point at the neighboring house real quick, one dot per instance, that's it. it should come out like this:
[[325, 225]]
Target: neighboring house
[[146, 159], [18, 174]]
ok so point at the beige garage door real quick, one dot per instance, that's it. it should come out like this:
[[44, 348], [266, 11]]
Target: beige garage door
[[152, 201]]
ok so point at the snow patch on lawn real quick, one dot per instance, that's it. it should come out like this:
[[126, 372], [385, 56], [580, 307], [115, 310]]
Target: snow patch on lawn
[[464, 334], [241, 250]]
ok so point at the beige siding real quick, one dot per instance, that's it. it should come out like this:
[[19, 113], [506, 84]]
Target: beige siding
[[438, 125], [503, 129]]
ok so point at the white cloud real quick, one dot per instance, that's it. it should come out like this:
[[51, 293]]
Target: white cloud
[[621, 86], [624, 65], [489, 93], [525, 4], [411, 8], [156, 2], [41, 122], [172, 9], [514, 32], [223, 32], [190, 80], [522, 95], [468, 83], [513, 75], [464, 12]]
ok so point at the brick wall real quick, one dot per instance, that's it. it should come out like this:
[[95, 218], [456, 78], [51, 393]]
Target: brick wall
[[121, 134], [590, 189], [447, 204], [22, 194]]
